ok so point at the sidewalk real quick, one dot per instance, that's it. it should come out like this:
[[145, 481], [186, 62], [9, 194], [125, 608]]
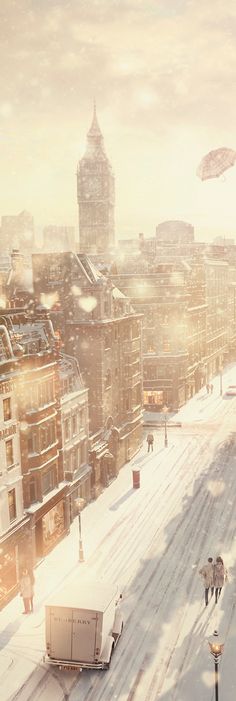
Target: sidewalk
[[201, 407]]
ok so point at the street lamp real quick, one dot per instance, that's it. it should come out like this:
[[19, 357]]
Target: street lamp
[[80, 505], [165, 410], [221, 388], [216, 650]]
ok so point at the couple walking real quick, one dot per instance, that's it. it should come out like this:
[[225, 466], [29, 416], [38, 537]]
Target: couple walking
[[214, 576]]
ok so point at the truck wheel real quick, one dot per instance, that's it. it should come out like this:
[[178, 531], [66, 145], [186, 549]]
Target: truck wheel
[[108, 663]]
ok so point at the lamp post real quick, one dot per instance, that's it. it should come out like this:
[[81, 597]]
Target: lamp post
[[216, 650], [80, 505], [221, 388], [165, 409]]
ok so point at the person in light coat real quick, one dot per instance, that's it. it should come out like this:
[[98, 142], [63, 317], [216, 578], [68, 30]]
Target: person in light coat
[[26, 590], [150, 441], [207, 573], [220, 576]]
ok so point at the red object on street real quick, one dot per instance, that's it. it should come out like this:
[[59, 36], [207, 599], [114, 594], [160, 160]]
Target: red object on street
[[136, 479]]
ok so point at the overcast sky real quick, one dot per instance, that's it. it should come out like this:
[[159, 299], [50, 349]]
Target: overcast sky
[[163, 73]]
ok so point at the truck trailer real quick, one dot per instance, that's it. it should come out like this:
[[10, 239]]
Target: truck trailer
[[83, 625]]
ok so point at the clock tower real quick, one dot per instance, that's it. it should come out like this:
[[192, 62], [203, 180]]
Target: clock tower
[[95, 195]]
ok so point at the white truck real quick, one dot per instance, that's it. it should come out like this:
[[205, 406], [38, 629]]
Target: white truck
[[83, 625]]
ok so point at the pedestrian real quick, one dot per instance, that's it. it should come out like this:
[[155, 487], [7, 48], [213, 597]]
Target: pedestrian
[[26, 590], [211, 388], [207, 573], [150, 441], [32, 579], [208, 388], [220, 576]]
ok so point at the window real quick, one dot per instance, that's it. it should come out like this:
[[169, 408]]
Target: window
[[67, 429], [12, 504], [74, 424], [107, 343], [48, 481], [166, 344], [82, 419], [7, 409], [9, 453], [32, 489], [82, 452], [108, 379], [33, 441]]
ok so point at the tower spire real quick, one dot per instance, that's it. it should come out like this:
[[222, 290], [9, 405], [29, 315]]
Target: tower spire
[[95, 128]]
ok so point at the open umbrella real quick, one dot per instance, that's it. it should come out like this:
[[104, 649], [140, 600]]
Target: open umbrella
[[216, 162]]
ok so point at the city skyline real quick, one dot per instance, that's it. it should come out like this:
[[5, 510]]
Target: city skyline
[[164, 95]]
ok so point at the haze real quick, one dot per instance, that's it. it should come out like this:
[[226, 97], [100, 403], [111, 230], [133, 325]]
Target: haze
[[163, 76]]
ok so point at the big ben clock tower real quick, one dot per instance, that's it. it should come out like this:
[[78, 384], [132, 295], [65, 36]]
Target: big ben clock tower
[[96, 195]]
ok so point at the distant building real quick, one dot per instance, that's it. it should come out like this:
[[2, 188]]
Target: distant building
[[18, 287], [17, 231], [96, 195], [177, 232], [59, 238]]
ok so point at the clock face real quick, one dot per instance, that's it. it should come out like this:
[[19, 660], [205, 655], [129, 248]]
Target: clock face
[[94, 186]]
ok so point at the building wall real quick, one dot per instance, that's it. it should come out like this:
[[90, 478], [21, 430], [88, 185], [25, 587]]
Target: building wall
[[10, 475]]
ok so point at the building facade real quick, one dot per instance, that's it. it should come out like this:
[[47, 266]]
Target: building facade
[[99, 328], [17, 231], [73, 448], [58, 238], [15, 533], [36, 388], [95, 195]]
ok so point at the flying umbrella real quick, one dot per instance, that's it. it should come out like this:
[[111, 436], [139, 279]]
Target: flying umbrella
[[216, 162]]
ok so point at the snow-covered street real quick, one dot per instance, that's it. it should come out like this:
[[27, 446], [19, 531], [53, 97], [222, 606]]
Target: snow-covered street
[[153, 541]]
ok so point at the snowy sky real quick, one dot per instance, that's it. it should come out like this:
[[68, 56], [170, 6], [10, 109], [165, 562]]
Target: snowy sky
[[163, 75]]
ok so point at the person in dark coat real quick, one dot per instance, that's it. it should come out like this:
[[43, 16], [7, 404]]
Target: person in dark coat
[[220, 577], [207, 573], [150, 441]]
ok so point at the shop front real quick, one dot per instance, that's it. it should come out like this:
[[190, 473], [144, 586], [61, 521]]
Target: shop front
[[15, 553], [50, 523]]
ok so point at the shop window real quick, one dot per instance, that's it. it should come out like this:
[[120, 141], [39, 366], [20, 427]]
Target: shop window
[[12, 504], [48, 481], [7, 415], [9, 454]]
